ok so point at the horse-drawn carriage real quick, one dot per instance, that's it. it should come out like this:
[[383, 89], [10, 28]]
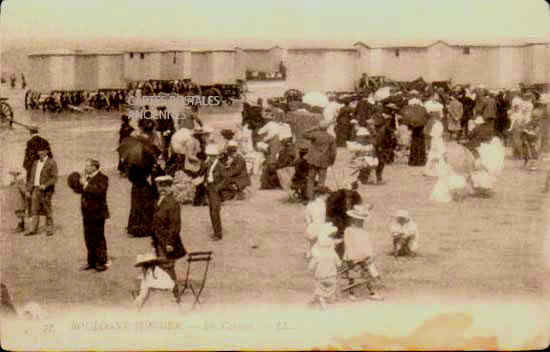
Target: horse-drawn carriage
[[6, 113], [536, 88]]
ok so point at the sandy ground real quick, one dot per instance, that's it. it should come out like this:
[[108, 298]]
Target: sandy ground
[[479, 249]]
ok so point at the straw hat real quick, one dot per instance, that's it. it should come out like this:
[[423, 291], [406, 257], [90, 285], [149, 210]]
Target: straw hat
[[211, 149], [359, 212], [164, 181], [362, 131], [148, 259], [402, 214]]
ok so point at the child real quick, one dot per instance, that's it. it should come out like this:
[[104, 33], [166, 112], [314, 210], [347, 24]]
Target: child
[[18, 198], [405, 234], [315, 214], [153, 278], [364, 154], [359, 255], [324, 263]]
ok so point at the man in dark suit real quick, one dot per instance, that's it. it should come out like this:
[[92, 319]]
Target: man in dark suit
[[215, 181], [383, 146], [167, 227], [40, 189], [93, 187], [35, 143], [321, 155], [236, 173]]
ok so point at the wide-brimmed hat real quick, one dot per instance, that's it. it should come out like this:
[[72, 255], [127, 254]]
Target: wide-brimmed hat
[[359, 212], [402, 214], [362, 131], [479, 120], [73, 181], [148, 259], [211, 149], [325, 124], [164, 181]]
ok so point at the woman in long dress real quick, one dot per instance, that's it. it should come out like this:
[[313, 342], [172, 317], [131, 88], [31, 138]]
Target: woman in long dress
[[417, 155]]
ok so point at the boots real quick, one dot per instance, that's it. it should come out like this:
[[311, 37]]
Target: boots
[[20, 226]]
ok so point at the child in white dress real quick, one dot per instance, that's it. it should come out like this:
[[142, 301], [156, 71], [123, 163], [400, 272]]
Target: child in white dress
[[324, 263]]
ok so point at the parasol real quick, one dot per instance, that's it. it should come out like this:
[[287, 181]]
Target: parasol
[[414, 115], [382, 93], [460, 158], [74, 182], [316, 99], [183, 142], [138, 155]]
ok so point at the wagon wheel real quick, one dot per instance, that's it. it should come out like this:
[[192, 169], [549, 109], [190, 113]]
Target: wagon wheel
[[6, 115], [214, 92]]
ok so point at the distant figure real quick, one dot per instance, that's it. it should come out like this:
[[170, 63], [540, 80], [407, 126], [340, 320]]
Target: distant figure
[[282, 69], [214, 180], [125, 131], [13, 80], [23, 82]]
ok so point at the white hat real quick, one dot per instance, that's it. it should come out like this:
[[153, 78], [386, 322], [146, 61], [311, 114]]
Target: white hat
[[402, 214], [414, 91], [362, 131], [544, 98], [354, 121], [211, 149], [359, 212], [164, 180], [479, 120], [148, 258]]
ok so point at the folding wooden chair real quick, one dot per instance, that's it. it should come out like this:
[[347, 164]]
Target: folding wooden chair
[[196, 286]]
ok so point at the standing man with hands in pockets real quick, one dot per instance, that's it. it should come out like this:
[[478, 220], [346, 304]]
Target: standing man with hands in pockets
[[40, 189]]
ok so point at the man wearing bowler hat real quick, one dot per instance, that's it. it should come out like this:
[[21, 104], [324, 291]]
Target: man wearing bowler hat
[[40, 189]]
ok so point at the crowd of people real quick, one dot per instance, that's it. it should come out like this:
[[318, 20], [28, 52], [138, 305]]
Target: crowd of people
[[172, 163]]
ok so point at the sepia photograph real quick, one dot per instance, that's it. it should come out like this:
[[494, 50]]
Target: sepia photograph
[[274, 175]]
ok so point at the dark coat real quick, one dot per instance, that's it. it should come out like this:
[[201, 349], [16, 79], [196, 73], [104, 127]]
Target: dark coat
[[167, 227], [237, 172], [94, 197], [322, 151], [48, 176], [486, 107], [125, 131], [219, 176], [34, 144]]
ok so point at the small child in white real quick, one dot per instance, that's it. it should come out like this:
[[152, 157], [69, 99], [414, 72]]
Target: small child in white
[[405, 234], [359, 255], [152, 278], [324, 263], [315, 215]]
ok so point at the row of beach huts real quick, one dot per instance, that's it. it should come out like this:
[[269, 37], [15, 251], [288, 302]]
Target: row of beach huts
[[501, 65]]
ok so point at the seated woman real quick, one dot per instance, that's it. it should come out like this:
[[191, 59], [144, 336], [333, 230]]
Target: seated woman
[[237, 178], [152, 279]]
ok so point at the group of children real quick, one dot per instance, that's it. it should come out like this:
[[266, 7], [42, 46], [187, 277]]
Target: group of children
[[357, 263]]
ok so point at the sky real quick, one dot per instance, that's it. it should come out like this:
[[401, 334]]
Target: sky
[[276, 21]]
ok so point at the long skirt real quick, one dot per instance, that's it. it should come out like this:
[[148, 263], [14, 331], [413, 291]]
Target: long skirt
[[141, 209], [417, 156]]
